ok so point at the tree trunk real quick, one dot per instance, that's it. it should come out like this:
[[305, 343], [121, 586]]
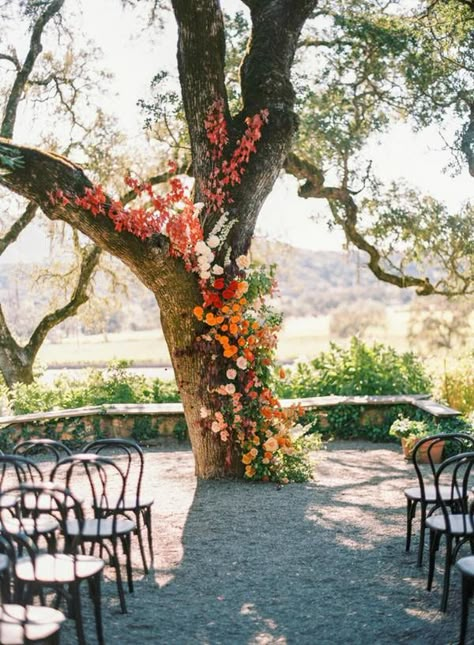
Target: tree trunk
[[197, 373], [15, 367]]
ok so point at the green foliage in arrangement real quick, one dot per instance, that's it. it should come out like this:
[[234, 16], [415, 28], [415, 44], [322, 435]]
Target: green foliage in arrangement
[[112, 385], [356, 370]]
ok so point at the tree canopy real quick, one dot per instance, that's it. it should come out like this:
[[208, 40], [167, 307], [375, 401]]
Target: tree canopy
[[317, 81]]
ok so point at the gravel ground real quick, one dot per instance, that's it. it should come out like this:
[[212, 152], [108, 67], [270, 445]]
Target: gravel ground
[[304, 564]]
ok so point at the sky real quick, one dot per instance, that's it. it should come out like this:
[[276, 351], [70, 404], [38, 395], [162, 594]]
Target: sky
[[418, 158]]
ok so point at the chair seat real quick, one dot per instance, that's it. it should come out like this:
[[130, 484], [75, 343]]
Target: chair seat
[[103, 528], [33, 623], [466, 565], [414, 493], [39, 526], [60, 568], [459, 524]]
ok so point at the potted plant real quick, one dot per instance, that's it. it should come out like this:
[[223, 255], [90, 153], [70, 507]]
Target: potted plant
[[409, 431]]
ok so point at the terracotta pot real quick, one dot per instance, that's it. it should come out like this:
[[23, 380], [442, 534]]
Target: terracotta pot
[[436, 453]]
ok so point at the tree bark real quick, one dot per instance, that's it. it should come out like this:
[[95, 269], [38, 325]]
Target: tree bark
[[266, 85]]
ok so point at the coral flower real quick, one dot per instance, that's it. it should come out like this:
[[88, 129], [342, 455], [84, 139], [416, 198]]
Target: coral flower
[[271, 445], [198, 312], [250, 471]]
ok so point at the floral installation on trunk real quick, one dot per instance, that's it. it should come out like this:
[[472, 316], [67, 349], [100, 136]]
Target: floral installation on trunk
[[236, 321]]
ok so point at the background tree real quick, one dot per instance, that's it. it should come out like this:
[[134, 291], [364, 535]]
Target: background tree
[[369, 65], [440, 325]]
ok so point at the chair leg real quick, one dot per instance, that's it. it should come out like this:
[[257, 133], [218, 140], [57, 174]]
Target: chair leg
[[411, 506], [467, 588], [421, 543], [434, 540], [127, 549], [147, 520], [118, 575], [76, 604], [138, 516], [447, 572], [95, 595]]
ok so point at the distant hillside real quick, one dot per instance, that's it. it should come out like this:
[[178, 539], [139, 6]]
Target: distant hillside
[[314, 282], [311, 283]]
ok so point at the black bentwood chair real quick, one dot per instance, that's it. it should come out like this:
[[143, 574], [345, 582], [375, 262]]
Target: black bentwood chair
[[42, 451], [465, 566], [136, 505], [451, 519], [102, 483], [29, 624], [425, 493], [63, 570]]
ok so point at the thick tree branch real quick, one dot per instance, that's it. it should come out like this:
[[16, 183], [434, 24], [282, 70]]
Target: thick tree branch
[[338, 198], [266, 84], [90, 260], [18, 226], [18, 88], [35, 174], [17, 361], [467, 141], [201, 57]]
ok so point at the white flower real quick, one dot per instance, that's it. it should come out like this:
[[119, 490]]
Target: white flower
[[200, 247], [204, 412], [243, 261], [231, 374], [213, 241], [216, 427], [230, 388], [241, 363], [217, 269]]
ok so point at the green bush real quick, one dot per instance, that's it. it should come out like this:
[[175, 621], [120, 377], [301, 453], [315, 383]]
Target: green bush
[[357, 370], [457, 386], [112, 385]]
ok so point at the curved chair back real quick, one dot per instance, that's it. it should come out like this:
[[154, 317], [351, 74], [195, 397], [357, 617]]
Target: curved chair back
[[15, 469], [125, 453], [454, 443], [93, 478], [40, 447], [457, 473]]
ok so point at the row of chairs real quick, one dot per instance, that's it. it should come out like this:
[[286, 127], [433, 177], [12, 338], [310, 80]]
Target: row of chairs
[[444, 496], [56, 510]]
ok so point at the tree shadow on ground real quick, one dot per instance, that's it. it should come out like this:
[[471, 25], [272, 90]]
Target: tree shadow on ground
[[303, 564]]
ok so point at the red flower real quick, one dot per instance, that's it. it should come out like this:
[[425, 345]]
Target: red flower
[[219, 283]]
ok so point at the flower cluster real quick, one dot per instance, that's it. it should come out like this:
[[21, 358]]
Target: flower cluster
[[244, 330], [238, 328]]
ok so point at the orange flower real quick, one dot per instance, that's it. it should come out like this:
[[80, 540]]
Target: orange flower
[[250, 471], [198, 312], [210, 319], [247, 458], [226, 309], [230, 351], [241, 342], [268, 455], [225, 327], [233, 329], [281, 373], [236, 307], [235, 319]]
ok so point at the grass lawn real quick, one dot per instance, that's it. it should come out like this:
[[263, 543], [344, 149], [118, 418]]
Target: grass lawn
[[300, 338]]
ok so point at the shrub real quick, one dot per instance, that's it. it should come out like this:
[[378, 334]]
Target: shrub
[[112, 385], [457, 387], [357, 370]]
